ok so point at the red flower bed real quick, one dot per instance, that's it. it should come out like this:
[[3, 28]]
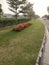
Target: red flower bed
[[27, 24], [21, 27]]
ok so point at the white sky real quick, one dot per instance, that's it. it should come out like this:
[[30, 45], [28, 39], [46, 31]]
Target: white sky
[[40, 6]]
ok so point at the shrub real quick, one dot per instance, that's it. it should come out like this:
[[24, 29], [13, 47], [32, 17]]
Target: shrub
[[11, 21], [7, 22], [27, 24], [21, 27]]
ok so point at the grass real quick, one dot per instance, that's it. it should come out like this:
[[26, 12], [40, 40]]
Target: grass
[[21, 48]]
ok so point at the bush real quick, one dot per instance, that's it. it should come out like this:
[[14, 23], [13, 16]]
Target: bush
[[27, 24], [11, 21], [7, 22], [21, 27]]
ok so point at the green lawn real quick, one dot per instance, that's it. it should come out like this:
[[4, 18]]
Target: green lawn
[[21, 48]]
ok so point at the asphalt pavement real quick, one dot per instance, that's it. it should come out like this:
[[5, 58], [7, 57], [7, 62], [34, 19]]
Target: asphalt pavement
[[45, 59], [46, 22]]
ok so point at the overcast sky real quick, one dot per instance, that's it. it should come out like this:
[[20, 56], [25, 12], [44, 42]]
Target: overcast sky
[[40, 6]]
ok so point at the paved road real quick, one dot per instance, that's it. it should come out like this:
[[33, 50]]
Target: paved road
[[46, 22], [45, 60]]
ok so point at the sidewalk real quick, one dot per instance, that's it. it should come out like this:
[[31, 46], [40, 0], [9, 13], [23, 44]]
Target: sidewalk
[[45, 60]]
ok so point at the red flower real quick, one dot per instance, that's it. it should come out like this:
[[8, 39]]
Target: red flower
[[14, 29], [27, 24], [22, 26]]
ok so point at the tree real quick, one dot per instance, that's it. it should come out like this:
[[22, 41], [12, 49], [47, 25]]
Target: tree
[[37, 16], [48, 9], [1, 12], [27, 10], [45, 16], [14, 5]]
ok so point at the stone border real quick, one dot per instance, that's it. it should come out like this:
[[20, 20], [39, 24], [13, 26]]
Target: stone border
[[40, 55]]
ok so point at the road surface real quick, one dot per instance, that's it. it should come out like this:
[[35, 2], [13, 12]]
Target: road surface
[[45, 60], [46, 22]]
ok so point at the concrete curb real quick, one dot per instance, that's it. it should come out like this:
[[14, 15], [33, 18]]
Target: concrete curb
[[40, 55]]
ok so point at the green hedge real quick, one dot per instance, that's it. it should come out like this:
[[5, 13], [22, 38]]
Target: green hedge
[[11, 21]]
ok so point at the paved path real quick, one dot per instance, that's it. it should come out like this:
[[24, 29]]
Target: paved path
[[45, 60]]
